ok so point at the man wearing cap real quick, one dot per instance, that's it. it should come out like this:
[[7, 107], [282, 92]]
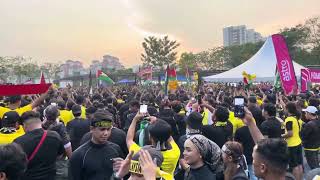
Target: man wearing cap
[[11, 128], [42, 148], [77, 127], [310, 135], [94, 160]]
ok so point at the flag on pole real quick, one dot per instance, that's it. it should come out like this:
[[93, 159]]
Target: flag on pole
[[166, 81], [90, 83], [104, 77], [277, 81], [146, 73], [171, 82], [42, 80]]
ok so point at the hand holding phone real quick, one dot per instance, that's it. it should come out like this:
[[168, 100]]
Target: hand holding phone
[[143, 109], [239, 107]]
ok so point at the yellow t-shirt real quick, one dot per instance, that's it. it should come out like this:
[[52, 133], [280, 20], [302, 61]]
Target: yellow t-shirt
[[259, 102], [170, 157], [295, 139], [83, 112], [20, 110], [236, 122], [66, 116], [9, 138]]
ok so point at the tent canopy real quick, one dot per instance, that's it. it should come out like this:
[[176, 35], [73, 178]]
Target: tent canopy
[[262, 64]]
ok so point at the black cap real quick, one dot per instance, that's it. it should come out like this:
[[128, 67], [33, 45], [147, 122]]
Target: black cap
[[76, 109], [194, 120], [10, 118], [91, 110]]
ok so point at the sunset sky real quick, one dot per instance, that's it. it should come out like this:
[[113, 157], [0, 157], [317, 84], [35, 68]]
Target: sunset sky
[[57, 30]]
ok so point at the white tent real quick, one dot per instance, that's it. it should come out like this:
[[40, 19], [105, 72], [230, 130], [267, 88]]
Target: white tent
[[262, 64]]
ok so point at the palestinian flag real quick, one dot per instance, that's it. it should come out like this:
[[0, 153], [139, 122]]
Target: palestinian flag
[[103, 77]]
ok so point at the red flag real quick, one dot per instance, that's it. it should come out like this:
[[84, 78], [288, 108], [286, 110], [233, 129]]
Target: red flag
[[42, 80], [10, 90]]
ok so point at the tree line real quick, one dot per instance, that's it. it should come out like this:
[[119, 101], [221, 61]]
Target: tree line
[[303, 41]]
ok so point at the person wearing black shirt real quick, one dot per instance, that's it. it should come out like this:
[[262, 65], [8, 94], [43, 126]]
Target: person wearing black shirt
[[96, 159], [130, 114], [310, 135], [271, 128], [243, 136], [43, 164], [194, 126], [203, 158], [117, 136], [255, 110], [77, 127], [221, 130]]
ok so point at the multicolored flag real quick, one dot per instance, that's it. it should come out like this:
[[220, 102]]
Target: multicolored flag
[[171, 82], [146, 73], [104, 77]]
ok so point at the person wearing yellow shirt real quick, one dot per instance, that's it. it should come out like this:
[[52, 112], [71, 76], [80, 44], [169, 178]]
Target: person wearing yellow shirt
[[292, 136], [11, 129], [15, 103], [65, 115], [236, 122], [160, 138]]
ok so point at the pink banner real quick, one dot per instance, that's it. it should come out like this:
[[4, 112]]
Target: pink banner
[[284, 65], [309, 75]]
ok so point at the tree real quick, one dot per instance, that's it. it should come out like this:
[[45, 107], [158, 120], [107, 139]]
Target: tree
[[50, 69], [187, 60], [159, 52], [303, 42]]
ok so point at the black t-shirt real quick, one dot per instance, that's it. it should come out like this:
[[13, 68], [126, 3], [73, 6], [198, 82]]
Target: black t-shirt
[[257, 114], [243, 136], [271, 128], [310, 134], [61, 130], [202, 173], [93, 161], [76, 129], [117, 136], [43, 165], [218, 134]]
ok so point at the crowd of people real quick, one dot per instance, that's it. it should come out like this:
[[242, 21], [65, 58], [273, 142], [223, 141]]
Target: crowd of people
[[140, 132]]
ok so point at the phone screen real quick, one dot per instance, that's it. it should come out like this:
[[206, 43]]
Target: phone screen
[[238, 101], [143, 108]]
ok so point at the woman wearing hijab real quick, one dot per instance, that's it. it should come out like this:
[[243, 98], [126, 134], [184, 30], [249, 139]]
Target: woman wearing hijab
[[204, 159], [234, 161]]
